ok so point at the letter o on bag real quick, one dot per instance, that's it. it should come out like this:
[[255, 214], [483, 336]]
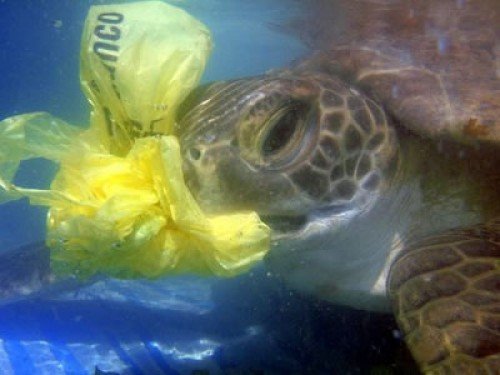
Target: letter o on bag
[[112, 18]]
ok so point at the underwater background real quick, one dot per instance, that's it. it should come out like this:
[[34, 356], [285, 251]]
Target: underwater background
[[250, 324]]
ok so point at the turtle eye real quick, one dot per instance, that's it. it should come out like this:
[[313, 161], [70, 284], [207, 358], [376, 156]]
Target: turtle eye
[[281, 136], [277, 131], [274, 138], [281, 132]]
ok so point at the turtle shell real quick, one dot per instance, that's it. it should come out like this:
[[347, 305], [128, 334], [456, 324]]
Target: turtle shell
[[434, 65]]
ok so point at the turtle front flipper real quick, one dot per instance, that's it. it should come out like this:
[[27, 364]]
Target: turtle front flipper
[[445, 291]]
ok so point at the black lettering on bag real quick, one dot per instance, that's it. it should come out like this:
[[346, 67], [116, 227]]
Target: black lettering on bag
[[112, 35], [104, 51], [109, 122], [111, 18], [111, 70], [106, 46]]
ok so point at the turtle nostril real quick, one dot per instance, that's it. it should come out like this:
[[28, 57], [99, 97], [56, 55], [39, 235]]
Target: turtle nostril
[[194, 153]]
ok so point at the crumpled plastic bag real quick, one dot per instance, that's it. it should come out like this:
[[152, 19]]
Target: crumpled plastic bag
[[118, 204], [138, 62]]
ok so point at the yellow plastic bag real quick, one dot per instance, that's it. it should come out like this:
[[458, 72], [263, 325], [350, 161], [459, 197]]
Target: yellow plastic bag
[[119, 204], [138, 62]]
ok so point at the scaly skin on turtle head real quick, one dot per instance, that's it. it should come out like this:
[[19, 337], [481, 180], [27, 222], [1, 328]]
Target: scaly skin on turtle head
[[312, 156], [285, 145]]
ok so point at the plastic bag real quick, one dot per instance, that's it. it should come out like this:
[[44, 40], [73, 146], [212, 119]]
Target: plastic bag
[[119, 204], [138, 62]]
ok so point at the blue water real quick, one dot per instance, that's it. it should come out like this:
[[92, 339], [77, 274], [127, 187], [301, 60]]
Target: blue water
[[248, 325]]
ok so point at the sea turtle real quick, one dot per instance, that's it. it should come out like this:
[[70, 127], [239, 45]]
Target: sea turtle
[[377, 164]]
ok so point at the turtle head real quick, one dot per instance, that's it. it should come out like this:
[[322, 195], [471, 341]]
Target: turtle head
[[296, 148]]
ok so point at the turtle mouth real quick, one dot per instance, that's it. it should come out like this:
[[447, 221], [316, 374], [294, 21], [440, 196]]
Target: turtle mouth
[[317, 221], [282, 224]]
